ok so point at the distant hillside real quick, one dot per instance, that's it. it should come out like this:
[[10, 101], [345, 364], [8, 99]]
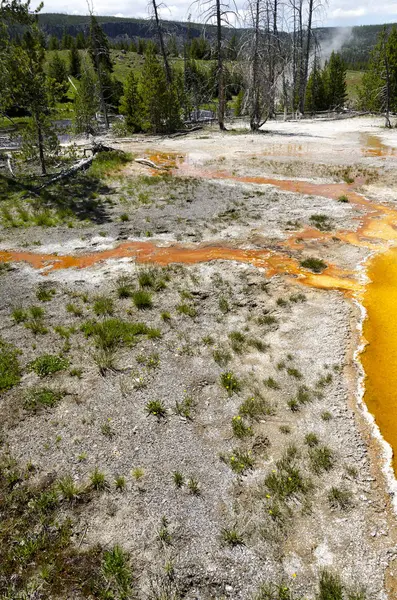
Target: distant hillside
[[354, 43], [117, 28]]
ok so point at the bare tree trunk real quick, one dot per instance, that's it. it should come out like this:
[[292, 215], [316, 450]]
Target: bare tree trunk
[[307, 56], [102, 100], [255, 110], [163, 51], [40, 143], [221, 75]]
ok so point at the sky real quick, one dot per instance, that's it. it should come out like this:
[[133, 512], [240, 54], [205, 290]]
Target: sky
[[337, 13]]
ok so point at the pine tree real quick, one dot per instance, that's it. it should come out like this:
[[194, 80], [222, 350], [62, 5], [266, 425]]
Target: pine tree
[[99, 51], [80, 41], [161, 102], [53, 44], [74, 61], [378, 91], [34, 93], [86, 103], [315, 92], [131, 104], [336, 91], [57, 71]]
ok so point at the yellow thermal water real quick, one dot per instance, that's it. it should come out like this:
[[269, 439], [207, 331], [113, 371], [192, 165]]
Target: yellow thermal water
[[379, 358]]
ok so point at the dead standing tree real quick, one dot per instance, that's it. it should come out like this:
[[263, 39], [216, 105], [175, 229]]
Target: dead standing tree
[[220, 12], [154, 7]]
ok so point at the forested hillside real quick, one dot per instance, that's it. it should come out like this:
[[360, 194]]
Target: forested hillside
[[354, 44]]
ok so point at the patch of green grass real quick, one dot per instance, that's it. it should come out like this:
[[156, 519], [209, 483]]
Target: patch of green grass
[[314, 264], [223, 305], [5, 267], [98, 480], [103, 305], [322, 222], [41, 397], [10, 371], [184, 408], [107, 163], [156, 408], [293, 372], [119, 483], [178, 478], [68, 489], [193, 486], [124, 286], [142, 299], [111, 333], [104, 359], [166, 316], [256, 407], [296, 298], [232, 537], [19, 314], [330, 586], [107, 430], [240, 428], [272, 383], [221, 357], [117, 574], [230, 382], [75, 310], [286, 480], [44, 293], [239, 460], [267, 320], [311, 440], [326, 416], [340, 498], [47, 364], [343, 198], [186, 309], [237, 341], [151, 278], [321, 459]]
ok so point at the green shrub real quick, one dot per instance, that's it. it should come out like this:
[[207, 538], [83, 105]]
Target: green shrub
[[47, 364], [314, 264], [10, 371]]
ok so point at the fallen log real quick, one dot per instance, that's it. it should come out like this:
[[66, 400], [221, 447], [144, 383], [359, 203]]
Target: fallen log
[[82, 165], [148, 163], [9, 164]]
